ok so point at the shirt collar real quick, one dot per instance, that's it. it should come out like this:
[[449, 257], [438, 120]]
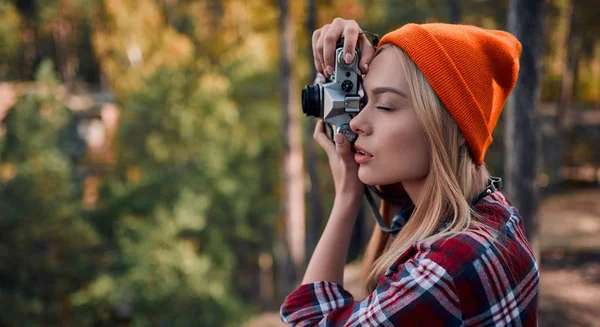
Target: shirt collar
[[401, 218]]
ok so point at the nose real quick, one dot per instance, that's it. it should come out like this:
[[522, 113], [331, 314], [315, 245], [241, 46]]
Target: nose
[[359, 123]]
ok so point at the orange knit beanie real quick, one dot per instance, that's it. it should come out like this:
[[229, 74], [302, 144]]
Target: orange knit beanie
[[471, 69]]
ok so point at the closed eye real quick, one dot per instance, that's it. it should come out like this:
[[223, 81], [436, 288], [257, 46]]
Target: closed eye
[[384, 108], [364, 100]]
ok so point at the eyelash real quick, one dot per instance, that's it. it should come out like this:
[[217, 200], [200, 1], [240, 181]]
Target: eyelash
[[384, 108], [364, 102]]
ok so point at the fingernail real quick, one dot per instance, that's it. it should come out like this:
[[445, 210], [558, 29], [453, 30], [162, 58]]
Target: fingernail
[[319, 79], [366, 67], [348, 57], [329, 70], [339, 138]]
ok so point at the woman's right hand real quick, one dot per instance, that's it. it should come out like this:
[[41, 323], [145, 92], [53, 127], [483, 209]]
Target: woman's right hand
[[341, 161], [325, 38]]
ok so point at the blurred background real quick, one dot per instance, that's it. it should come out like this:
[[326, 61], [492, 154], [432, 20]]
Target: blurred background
[[156, 168]]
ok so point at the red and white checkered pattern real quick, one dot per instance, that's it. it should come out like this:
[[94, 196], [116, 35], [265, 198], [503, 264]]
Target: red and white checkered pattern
[[470, 279]]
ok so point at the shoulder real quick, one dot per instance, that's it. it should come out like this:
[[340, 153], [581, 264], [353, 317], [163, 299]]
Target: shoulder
[[478, 269], [495, 246], [496, 240]]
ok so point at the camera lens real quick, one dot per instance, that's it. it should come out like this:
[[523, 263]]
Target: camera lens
[[311, 101]]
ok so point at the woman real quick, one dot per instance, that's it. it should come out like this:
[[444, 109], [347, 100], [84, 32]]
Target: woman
[[433, 94]]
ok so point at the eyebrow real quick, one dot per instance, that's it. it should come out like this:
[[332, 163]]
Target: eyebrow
[[384, 89]]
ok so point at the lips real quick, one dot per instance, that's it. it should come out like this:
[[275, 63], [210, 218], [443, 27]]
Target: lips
[[362, 156], [362, 151]]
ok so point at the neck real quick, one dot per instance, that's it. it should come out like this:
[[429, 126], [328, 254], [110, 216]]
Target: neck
[[413, 188], [402, 193]]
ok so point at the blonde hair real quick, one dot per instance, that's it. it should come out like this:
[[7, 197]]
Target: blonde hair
[[453, 181]]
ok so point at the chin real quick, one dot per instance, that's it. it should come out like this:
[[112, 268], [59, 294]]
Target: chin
[[377, 177], [370, 178]]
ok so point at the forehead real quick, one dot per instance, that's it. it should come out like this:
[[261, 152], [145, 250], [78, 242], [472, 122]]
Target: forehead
[[385, 71]]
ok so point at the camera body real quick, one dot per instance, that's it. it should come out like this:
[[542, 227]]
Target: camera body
[[337, 100]]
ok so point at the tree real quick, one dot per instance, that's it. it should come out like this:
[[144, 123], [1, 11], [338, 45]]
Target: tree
[[292, 172], [29, 12], [190, 198], [48, 252], [455, 11], [578, 52], [314, 216], [564, 100], [65, 39], [522, 133], [10, 41], [56, 30]]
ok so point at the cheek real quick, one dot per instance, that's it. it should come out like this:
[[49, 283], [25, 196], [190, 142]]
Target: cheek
[[411, 156], [404, 156]]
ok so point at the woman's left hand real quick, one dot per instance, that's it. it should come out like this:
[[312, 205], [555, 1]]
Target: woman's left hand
[[324, 41]]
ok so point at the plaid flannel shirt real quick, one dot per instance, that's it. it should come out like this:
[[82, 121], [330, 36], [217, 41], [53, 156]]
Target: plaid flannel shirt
[[463, 280]]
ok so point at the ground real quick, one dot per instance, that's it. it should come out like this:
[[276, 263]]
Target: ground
[[570, 263]]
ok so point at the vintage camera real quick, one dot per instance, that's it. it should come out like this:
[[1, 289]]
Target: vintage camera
[[337, 100]]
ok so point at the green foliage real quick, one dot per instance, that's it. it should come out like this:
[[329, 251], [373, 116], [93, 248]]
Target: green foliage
[[192, 196], [47, 251], [10, 40], [189, 202], [183, 201]]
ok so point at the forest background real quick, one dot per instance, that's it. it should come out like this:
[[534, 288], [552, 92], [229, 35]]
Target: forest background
[[155, 169]]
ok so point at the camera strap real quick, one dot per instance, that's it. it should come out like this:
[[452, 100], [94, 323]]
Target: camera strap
[[401, 218], [395, 228], [374, 37]]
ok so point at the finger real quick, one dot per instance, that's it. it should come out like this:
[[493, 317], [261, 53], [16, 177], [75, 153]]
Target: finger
[[343, 148], [323, 140], [316, 58], [367, 51], [320, 79], [350, 38], [319, 49], [329, 40]]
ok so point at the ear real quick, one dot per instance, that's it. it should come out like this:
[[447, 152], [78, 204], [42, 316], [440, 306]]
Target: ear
[[461, 140]]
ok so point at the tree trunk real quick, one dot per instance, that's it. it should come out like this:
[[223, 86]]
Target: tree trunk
[[314, 218], [65, 42], [28, 10], [566, 93], [522, 133], [455, 12], [292, 173]]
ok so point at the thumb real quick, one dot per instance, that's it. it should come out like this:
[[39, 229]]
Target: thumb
[[343, 148]]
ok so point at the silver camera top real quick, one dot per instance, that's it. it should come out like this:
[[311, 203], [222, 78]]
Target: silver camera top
[[336, 101]]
